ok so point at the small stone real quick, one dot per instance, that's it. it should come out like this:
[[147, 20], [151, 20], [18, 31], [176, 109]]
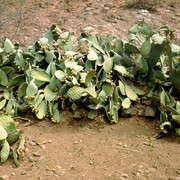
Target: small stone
[[89, 9], [149, 112], [62, 173], [23, 172], [26, 150], [124, 175], [5, 176], [38, 153], [139, 16], [110, 5], [150, 170], [120, 18], [50, 141], [77, 115], [32, 143], [31, 159], [44, 142], [42, 146], [90, 162], [178, 171], [76, 142], [147, 102], [12, 174], [140, 112], [133, 111], [59, 167]]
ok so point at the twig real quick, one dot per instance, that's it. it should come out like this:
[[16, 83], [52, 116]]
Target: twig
[[127, 149], [19, 20], [21, 118]]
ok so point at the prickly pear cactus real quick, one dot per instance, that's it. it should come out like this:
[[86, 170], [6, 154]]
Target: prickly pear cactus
[[50, 76]]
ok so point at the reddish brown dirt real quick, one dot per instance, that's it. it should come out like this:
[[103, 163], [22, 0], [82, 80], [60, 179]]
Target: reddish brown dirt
[[91, 150]]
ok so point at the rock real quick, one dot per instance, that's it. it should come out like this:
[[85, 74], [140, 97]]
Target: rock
[[38, 153], [123, 175], [44, 142], [77, 115], [50, 141], [133, 111], [149, 112], [5, 176], [32, 143], [59, 167], [31, 159], [140, 112], [150, 170], [144, 12], [42, 146], [120, 18], [89, 9], [110, 5], [139, 17], [147, 102], [23, 172], [26, 150], [12, 174], [76, 142]]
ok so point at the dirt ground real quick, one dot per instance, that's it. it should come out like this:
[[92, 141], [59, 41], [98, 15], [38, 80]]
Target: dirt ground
[[90, 150]]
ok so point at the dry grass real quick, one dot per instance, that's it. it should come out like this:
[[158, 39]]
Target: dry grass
[[150, 5]]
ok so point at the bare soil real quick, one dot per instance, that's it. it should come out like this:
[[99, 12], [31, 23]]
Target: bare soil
[[84, 149]]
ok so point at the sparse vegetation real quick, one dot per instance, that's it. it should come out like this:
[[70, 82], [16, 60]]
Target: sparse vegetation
[[150, 5]]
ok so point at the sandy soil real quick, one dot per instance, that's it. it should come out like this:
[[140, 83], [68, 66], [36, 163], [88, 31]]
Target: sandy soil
[[90, 150]]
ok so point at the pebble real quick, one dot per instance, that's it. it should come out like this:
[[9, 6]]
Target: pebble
[[38, 153], [77, 115], [50, 141], [5, 176], [42, 146], [147, 102], [31, 159], [12, 174], [75, 142], [32, 143], [26, 150], [89, 9], [44, 142], [23, 172], [59, 167], [149, 112], [120, 18], [140, 112], [110, 5], [124, 175], [150, 170], [178, 171], [133, 111]]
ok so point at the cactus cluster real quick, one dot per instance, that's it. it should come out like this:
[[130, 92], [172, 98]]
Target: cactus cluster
[[8, 136], [50, 76]]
